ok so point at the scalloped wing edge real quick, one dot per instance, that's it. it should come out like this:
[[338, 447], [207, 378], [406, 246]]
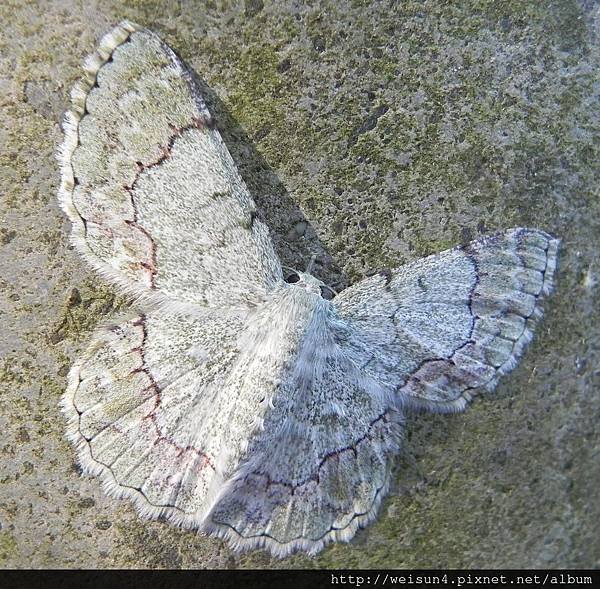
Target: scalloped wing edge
[[201, 524], [311, 547], [92, 467], [79, 93], [465, 399]]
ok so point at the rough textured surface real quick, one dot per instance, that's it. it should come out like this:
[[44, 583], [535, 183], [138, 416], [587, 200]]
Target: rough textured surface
[[379, 134]]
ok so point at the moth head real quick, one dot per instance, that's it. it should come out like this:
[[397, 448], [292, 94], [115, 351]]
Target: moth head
[[310, 283]]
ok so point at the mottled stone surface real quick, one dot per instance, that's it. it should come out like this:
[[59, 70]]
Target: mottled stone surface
[[377, 132]]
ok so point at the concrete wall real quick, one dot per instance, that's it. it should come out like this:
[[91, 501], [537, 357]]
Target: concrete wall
[[371, 133]]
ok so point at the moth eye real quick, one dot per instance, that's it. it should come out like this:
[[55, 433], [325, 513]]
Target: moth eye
[[327, 293], [293, 277]]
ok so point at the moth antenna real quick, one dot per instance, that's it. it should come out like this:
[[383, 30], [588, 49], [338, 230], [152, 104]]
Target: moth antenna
[[311, 263]]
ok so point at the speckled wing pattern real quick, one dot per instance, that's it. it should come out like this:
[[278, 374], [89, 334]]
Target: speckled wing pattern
[[229, 400], [157, 204], [441, 328]]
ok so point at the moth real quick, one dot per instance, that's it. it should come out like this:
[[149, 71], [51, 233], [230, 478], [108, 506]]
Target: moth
[[234, 399]]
